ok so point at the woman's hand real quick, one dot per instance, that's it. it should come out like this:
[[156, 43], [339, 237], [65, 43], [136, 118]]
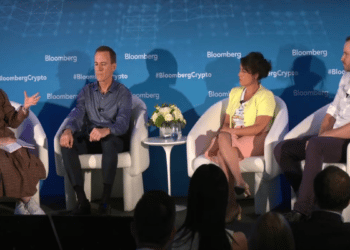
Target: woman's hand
[[30, 101], [230, 131], [7, 140]]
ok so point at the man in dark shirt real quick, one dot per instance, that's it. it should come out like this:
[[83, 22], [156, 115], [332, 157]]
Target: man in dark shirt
[[96, 125], [325, 228]]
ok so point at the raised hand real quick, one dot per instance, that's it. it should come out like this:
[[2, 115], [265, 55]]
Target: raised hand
[[30, 101]]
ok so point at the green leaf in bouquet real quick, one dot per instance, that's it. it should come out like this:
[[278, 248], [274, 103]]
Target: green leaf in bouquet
[[159, 121]]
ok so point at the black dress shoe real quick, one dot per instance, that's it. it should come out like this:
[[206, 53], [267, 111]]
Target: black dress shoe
[[242, 190], [294, 216], [104, 209], [239, 190], [83, 208]]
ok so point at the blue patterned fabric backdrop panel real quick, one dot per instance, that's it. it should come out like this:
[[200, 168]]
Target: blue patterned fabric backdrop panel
[[185, 52]]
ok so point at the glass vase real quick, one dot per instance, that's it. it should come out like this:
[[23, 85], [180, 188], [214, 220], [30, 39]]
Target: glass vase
[[165, 132]]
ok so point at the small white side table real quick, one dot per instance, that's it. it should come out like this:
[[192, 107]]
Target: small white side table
[[167, 144]]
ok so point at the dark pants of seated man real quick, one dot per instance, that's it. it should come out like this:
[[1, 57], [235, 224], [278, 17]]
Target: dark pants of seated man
[[320, 150], [109, 146]]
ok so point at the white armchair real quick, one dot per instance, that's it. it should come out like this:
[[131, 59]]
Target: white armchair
[[32, 132], [311, 126], [133, 163], [267, 192]]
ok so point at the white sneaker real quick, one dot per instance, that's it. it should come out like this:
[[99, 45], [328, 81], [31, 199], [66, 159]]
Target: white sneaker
[[20, 209], [33, 208]]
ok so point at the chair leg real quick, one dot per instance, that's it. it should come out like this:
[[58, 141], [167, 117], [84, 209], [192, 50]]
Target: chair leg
[[36, 196], [268, 193], [87, 184], [261, 202], [346, 214], [133, 190], [293, 198]]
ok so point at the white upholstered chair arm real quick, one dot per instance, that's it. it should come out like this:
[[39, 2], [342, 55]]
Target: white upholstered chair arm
[[58, 155], [191, 151], [41, 144], [277, 132], [309, 126], [39, 137], [139, 151], [211, 121], [348, 159], [39, 133]]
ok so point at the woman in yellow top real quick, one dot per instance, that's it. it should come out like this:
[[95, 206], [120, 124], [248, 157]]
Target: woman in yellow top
[[248, 118]]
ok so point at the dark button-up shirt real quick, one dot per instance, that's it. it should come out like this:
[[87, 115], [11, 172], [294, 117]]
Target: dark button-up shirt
[[94, 109]]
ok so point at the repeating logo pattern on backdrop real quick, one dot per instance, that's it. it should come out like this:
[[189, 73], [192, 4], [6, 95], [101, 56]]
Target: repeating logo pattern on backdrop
[[182, 52]]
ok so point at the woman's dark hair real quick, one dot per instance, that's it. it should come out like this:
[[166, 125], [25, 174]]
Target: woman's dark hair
[[154, 218], [255, 63], [206, 209], [272, 232]]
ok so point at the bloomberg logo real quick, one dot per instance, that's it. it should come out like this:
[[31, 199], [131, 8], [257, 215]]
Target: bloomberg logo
[[143, 56], [211, 54], [50, 96], [93, 77], [281, 73], [49, 58], [218, 94], [189, 76], [148, 95], [23, 78], [336, 72], [296, 52]]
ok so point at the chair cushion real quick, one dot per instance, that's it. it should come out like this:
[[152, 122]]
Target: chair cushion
[[93, 161], [339, 165], [251, 164]]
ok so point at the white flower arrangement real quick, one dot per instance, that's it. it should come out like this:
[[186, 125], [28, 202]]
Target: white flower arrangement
[[166, 115]]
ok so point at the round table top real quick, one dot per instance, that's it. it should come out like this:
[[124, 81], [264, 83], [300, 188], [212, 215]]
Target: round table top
[[158, 141]]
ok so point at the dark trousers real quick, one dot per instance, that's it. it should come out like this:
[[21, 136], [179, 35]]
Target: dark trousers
[[320, 150], [109, 146]]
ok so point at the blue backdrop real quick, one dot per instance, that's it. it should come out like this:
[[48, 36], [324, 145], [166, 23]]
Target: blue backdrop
[[184, 52]]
